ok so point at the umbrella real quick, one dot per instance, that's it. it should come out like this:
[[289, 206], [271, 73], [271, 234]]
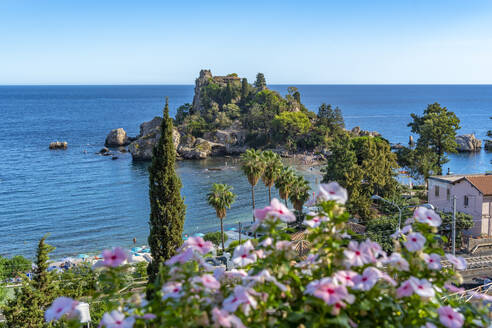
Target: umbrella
[[199, 234], [82, 256]]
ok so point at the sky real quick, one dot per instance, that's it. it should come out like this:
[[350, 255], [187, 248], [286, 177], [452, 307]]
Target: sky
[[291, 42]]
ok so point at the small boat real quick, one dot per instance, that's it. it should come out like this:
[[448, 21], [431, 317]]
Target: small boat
[[214, 169]]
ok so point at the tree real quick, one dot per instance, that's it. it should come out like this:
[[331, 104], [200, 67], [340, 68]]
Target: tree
[[221, 198], [299, 193], [272, 168], [420, 164], [27, 308], [463, 222], [244, 90], [284, 182], [364, 166], [380, 230], [167, 209], [290, 125], [329, 117], [252, 167], [437, 132], [260, 82]]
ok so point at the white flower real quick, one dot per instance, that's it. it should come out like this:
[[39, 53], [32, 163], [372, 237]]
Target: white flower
[[433, 261], [415, 242], [422, 287], [458, 262], [398, 261], [116, 319], [357, 255], [315, 221], [332, 191], [428, 216], [171, 290], [241, 296], [244, 255]]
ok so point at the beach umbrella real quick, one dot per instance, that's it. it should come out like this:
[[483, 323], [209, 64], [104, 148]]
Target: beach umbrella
[[199, 234], [82, 256]]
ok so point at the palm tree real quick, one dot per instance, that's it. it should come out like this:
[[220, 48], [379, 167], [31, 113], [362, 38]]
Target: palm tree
[[221, 198], [253, 168], [299, 193], [284, 183], [273, 167]]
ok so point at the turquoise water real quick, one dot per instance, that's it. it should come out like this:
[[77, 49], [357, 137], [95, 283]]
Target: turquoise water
[[88, 202]]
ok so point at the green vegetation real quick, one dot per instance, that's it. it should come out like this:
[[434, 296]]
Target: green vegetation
[[299, 193], [272, 169], [215, 237], [269, 119], [26, 309], [14, 267], [167, 209], [284, 183], [252, 166], [221, 198], [463, 222], [364, 166]]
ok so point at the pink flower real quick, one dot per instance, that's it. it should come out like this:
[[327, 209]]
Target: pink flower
[[345, 277], [449, 317], [263, 276], [452, 288], [398, 233], [357, 255], [315, 221], [429, 325], [368, 279], [171, 290], [428, 216], [243, 254], [405, 289], [422, 287], [116, 319], [398, 261], [208, 281], [222, 318], [458, 262], [60, 307], [283, 245], [198, 244], [481, 297], [415, 242], [275, 210], [241, 296], [310, 260], [267, 242], [327, 290], [114, 257], [182, 257], [375, 249], [332, 191], [433, 261]]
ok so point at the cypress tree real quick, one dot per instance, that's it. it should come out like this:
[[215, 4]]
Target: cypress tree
[[27, 308], [167, 209], [244, 90]]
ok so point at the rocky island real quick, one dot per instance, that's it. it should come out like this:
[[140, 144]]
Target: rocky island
[[229, 115]]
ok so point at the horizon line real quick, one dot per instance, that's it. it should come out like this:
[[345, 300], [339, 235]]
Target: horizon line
[[280, 84]]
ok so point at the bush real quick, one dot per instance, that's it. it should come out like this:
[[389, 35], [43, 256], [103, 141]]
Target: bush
[[215, 238]]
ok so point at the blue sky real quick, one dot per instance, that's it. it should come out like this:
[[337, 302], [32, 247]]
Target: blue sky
[[138, 42]]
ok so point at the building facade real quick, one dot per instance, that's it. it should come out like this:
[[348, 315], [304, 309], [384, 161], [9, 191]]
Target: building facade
[[473, 196]]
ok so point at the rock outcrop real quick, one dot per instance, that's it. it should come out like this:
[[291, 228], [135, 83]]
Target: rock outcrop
[[117, 138], [59, 145], [468, 143], [488, 145], [358, 132], [200, 149]]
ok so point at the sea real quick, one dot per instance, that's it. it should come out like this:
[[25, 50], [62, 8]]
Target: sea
[[87, 202]]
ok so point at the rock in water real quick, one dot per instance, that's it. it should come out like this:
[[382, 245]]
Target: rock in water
[[488, 145], [116, 138], [59, 145], [468, 143]]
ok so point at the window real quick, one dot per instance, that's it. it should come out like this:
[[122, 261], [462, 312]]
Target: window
[[448, 194], [465, 201], [436, 191]]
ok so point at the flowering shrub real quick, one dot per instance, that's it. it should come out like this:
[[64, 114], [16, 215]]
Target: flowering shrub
[[342, 282]]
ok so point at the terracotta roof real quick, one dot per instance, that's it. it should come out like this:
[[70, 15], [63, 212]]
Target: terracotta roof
[[482, 182]]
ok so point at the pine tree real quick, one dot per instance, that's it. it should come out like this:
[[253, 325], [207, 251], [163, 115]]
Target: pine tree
[[167, 209], [27, 308], [260, 82]]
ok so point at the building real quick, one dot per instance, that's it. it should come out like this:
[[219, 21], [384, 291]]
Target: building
[[473, 196]]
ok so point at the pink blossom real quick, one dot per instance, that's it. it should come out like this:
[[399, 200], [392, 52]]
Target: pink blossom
[[116, 319], [182, 257], [415, 242], [398, 233], [368, 278], [449, 317], [267, 242], [222, 318], [198, 244], [433, 261], [310, 260], [428, 216], [429, 325], [283, 245], [275, 210], [357, 255], [332, 191], [422, 287], [398, 261], [452, 288], [60, 307], [375, 249], [263, 276], [208, 281], [315, 221], [345, 277], [244, 255], [481, 297], [114, 257], [458, 262], [405, 289], [241, 296], [327, 290], [171, 290]]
